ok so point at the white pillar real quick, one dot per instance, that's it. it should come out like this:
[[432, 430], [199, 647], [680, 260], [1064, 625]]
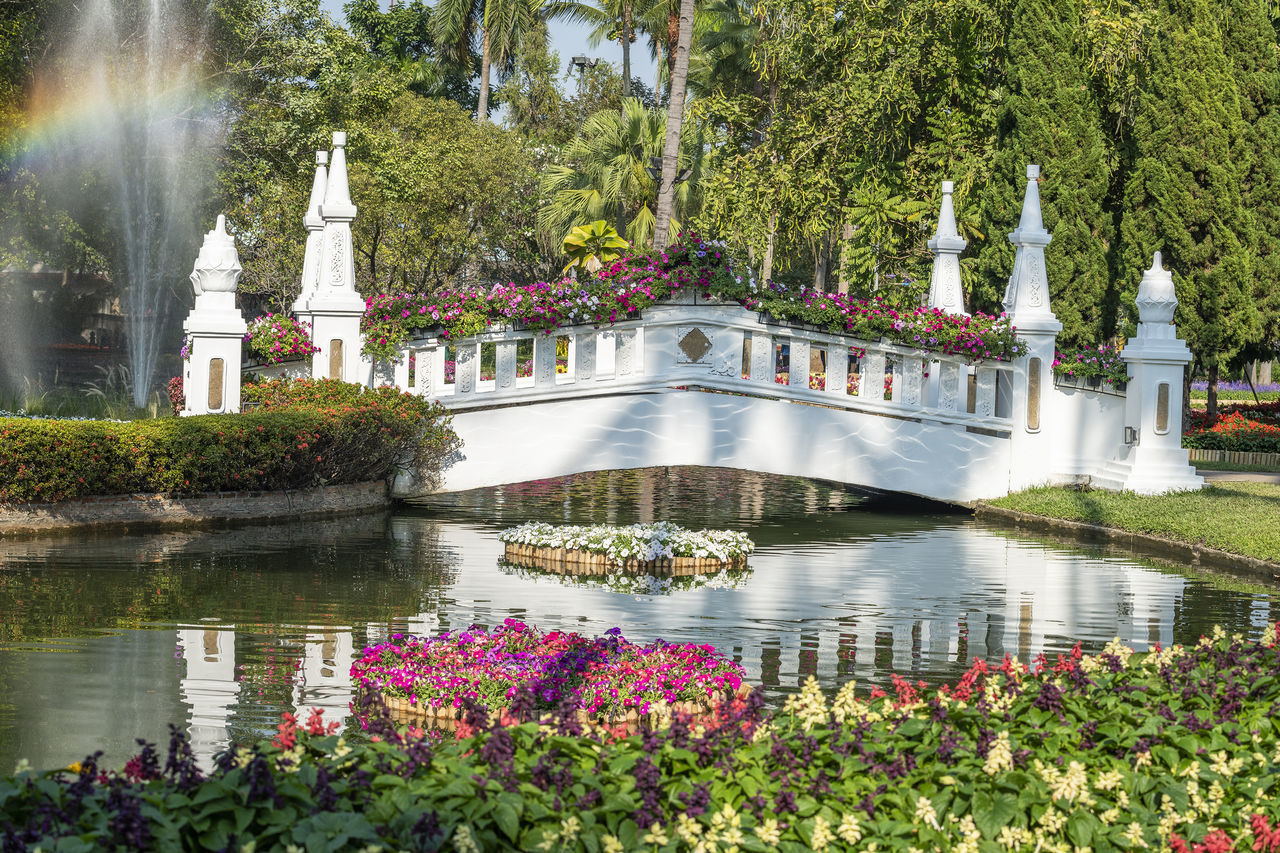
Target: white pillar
[[314, 224], [1026, 301], [336, 308], [209, 687], [945, 292], [947, 244], [1156, 358], [211, 381]]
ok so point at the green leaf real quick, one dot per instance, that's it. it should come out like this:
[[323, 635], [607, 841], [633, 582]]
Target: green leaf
[[508, 819], [991, 812], [1080, 827]]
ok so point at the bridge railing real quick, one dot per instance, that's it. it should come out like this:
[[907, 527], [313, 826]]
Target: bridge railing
[[714, 347]]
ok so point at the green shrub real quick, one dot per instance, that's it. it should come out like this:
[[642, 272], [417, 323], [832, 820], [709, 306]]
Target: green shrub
[[304, 434]]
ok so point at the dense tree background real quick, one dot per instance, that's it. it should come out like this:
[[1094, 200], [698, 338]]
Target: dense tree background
[[817, 132]]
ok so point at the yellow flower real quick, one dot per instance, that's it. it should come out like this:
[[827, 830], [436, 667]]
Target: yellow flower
[[464, 841], [769, 832], [925, 812], [850, 831], [612, 844], [656, 835], [999, 756], [1134, 835], [1071, 784], [822, 834]]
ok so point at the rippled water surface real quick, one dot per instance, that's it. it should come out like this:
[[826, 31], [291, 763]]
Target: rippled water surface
[[108, 638]]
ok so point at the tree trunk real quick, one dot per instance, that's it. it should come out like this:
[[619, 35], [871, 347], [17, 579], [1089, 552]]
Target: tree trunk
[[675, 118], [675, 16], [1211, 407], [842, 277], [766, 268], [626, 52], [482, 111]]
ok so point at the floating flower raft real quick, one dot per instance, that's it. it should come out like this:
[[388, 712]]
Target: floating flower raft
[[662, 548], [606, 680]]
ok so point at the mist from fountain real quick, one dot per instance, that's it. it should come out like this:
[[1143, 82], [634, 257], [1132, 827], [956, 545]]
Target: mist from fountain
[[126, 131]]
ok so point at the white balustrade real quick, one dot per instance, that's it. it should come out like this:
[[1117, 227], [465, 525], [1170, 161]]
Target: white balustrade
[[715, 348]]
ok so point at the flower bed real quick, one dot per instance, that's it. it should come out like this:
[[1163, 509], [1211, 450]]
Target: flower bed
[[662, 547], [633, 283], [607, 679], [1245, 427], [1173, 750]]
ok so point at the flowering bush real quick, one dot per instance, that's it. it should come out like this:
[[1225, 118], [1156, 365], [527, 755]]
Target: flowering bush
[[177, 397], [635, 282], [1247, 427], [278, 337], [1171, 750], [638, 541], [606, 676], [1102, 361]]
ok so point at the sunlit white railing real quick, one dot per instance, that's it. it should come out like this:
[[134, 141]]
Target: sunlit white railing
[[722, 348]]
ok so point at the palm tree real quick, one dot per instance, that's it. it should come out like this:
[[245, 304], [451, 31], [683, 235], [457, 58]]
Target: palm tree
[[606, 164], [503, 26], [610, 20], [675, 118]]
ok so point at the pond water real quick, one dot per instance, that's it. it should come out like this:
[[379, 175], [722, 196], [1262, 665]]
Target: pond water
[[105, 638]]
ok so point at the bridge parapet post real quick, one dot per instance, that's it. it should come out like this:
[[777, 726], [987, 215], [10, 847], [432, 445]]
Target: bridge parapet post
[[1034, 439], [332, 306], [1153, 461]]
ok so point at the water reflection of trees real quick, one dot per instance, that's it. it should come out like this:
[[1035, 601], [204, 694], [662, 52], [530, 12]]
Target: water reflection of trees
[[331, 572]]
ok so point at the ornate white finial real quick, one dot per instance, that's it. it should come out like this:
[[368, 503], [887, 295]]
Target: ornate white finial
[[1156, 301], [1027, 296], [1030, 230], [947, 244], [337, 197], [217, 268], [312, 219]]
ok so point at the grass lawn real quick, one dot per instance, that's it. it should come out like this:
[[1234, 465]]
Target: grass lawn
[[1242, 518], [1236, 466]]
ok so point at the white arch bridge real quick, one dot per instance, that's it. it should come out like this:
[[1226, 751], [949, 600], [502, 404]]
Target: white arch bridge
[[717, 385]]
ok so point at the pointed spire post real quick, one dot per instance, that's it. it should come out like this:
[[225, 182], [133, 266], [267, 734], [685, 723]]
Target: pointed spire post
[[1027, 297], [314, 224], [945, 291], [336, 307], [1029, 395]]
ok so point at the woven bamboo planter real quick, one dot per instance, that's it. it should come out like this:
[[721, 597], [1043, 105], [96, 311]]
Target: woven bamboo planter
[[565, 562], [447, 718]]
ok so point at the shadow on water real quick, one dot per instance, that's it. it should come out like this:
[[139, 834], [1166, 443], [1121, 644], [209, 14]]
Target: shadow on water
[[221, 630]]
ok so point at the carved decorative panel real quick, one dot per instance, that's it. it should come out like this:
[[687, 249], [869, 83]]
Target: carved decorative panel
[[693, 344]]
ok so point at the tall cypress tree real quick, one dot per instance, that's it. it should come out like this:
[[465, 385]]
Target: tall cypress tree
[[1250, 44], [1184, 194], [1049, 116]]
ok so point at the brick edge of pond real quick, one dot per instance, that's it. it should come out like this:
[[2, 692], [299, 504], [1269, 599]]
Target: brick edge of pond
[[162, 510]]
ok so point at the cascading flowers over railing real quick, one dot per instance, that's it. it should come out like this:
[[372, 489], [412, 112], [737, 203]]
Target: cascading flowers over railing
[[1102, 362], [634, 282]]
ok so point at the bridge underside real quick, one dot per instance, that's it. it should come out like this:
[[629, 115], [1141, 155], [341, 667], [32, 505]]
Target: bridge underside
[[669, 427]]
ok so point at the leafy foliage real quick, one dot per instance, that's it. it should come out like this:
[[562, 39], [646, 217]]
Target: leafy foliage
[[590, 245]]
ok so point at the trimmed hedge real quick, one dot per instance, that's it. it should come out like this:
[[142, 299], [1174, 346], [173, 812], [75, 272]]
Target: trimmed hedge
[[305, 434]]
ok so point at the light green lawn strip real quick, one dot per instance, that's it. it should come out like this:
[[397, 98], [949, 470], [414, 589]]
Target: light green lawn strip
[[1242, 518]]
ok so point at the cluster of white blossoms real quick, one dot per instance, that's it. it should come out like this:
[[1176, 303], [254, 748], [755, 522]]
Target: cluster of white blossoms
[[644, 542]]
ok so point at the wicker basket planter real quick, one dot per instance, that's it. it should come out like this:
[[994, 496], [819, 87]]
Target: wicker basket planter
[[566, 562]]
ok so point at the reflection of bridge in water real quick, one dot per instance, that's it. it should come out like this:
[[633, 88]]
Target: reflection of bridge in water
[[920, 603]]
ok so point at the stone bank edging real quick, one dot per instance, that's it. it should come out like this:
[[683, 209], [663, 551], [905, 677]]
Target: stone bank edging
[[1201, 555], [170, 510]]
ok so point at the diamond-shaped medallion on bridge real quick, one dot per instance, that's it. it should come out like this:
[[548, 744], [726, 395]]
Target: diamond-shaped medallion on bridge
[[694, 344]]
